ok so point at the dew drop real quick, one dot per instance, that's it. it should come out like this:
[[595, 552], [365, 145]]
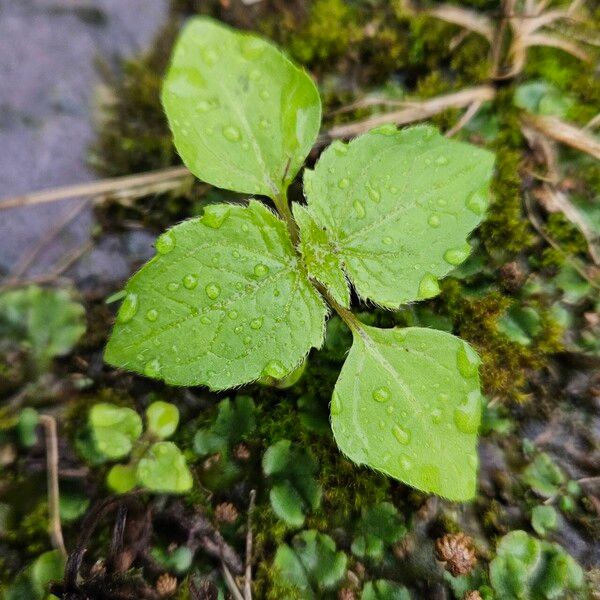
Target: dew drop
[[233, 314], [393, 189], [359, 209], [467, 415], [212, 290], [190, 281], [205, 320], [436, 416], [467, 361], [336, 405], [252, 48], [231, 133], [402, 435], [339, 148], [239, 329], [173, 286], [129, 308], [374, 195], [165, 243], [261, 270], [434, 221], [343, 183], [387, 240], [399, 335], [405, 463], [441, 160], [256, 324], [477, 202], [274, 369], [152, 368], [264, 94], [247, 340], [152, 315], [215, 216], [381, 394], [236, 254], [455, 256], [428, 287], [386, 129]]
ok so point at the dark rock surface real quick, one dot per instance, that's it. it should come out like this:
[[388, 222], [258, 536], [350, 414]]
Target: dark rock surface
[[50, 87]]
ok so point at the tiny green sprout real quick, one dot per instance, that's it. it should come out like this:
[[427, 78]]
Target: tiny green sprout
[[241, 293], [154, 464], [378, 528], [527, 568], [311, 564], [294, 491], [544, 519], [384, 590]]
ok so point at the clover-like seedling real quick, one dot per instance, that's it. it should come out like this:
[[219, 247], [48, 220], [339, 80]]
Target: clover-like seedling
[[379, 527], [242, 293], [154, 464], [294, 491]]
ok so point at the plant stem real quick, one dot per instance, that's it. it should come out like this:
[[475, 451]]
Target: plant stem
[[55, 529], [283, 208]]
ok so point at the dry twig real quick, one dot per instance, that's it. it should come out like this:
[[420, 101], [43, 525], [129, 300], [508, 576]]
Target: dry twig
[[248, 572], [55, 528]]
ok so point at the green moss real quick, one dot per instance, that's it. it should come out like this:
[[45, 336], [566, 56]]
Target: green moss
[[506, 365], [567, 236], [506, 232]]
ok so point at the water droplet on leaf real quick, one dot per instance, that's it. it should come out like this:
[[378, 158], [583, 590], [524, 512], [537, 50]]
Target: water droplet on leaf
[[359, 209], [434, 221], [455, 256], [256, 324], [190, 281], [402, 435], [477, 202], [467, 415], [165, 243], [129, 308], [152, 315], [274, 369], [343, 183], [152, 368], [212, 290], [231, 133], [381, 394], [428, 287], [261, 270], [336, 406], [467, 361]]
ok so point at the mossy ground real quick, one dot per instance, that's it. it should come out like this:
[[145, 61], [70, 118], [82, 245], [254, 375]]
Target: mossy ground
[[353, 48]]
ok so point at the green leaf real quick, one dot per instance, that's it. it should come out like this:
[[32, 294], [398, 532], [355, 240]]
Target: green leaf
[[122, 478], [529, 569], [223, 302], [542, 98], [520, 324], [384, 590], [162, 419], [408, 403], [311, 563], [396, 207], [295, 491], [27, 426], [544, 476], [163, 469], [243, 116], [114, 429], [320, 257], [46, 319], [544, 519], [379, 525], [234, 421]]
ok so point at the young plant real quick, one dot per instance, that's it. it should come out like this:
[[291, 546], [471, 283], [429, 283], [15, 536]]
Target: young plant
[[528, 568], [294, 492], [154, 464], [311, 564], [242, 293]]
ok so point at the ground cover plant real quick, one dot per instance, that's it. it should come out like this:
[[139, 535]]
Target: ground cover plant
[[205, 459]]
